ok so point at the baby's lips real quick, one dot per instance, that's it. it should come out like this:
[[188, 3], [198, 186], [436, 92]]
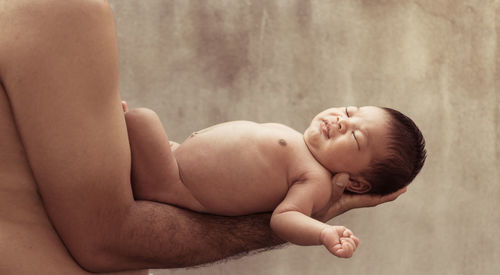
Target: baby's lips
[[325, 129]]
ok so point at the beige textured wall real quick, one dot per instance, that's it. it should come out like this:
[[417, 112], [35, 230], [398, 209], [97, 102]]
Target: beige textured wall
[[198, 63]]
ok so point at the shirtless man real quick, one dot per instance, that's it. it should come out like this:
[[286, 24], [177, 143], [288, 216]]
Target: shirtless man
[[65, 195]]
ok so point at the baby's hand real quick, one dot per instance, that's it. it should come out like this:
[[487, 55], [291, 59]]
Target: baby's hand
[[339, 241]]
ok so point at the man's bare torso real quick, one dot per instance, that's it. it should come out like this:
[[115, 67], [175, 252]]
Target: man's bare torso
[[28, 242], [243, 167]]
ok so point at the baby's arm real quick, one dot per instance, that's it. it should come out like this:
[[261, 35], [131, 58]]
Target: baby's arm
[[292, 221]]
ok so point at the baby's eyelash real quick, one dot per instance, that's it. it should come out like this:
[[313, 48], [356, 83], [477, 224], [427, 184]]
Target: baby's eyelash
[[353, 135], [356, 139]]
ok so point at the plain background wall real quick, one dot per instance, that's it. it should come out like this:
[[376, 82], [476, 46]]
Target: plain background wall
[[198, 63]]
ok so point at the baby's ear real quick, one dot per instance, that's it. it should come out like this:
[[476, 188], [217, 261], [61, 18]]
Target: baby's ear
[[358, 185]]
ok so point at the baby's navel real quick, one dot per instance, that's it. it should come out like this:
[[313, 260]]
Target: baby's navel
[[282, 142]]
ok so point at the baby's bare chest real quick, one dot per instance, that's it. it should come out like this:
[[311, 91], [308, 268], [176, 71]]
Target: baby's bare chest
[[238, 150], [236, 158]]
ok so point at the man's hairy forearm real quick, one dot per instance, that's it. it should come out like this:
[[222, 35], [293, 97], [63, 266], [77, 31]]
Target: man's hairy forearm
[[156, 235]]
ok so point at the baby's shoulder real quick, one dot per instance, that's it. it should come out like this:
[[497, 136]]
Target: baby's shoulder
[[316, 176], [319, 189]]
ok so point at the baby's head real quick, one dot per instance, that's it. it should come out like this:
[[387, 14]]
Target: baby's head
[[382, 149]]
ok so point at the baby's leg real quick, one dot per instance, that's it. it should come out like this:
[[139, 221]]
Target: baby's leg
[[155, 174]]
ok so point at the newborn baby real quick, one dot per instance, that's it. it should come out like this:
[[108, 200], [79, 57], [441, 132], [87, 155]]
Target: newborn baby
[[243, 167]]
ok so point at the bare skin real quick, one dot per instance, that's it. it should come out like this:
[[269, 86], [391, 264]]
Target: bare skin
[[30, 245], [58, 64], [242, 167], [65, 191]]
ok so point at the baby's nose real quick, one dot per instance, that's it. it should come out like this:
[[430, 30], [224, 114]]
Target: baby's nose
[[341, 124]]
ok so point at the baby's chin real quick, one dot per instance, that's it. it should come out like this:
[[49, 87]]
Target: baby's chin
[[310, 138]]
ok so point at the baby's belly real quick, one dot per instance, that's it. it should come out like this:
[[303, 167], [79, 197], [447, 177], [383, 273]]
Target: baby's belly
[[234, 168]]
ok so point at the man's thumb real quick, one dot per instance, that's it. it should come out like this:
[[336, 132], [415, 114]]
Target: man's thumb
[[340, 181]]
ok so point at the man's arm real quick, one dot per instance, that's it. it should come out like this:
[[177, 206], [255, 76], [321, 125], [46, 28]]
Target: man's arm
[[60, 72]]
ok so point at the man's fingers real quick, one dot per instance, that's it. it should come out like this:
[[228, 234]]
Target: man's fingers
[[370, 200], [124, 106], [339, 182], [394, 195]]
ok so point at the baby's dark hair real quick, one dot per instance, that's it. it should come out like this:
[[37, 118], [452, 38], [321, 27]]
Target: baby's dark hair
[[404, 159]]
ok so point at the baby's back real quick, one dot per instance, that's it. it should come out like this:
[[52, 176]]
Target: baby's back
[[241, 167]]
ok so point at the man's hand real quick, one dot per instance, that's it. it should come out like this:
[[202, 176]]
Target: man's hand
[[124, 106], [343, 202]]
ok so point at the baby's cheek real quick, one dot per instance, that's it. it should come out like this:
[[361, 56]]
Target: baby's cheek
[[311, 139], [345, 161]]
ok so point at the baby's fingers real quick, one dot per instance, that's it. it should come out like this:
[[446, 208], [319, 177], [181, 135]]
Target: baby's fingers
[[340, 241], [349, 237], [348, 241], [343, 250], [356, 241]]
